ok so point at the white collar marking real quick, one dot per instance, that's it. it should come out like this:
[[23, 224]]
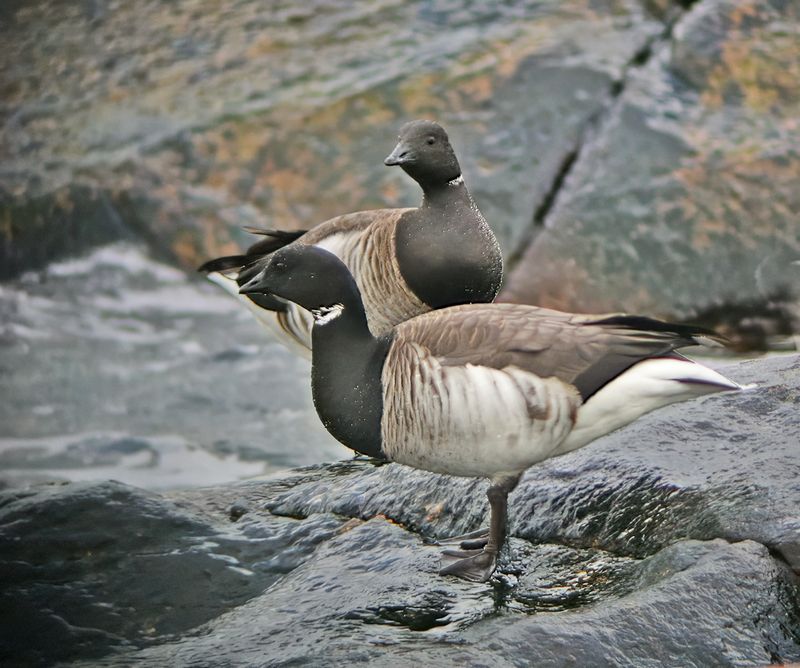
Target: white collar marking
[[324, 314], [456, 181]]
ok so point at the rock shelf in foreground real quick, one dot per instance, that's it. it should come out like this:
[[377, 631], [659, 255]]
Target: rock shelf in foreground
[[673, 542]]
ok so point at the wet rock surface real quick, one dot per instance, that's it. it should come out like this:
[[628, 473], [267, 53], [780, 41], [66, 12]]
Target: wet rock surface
[[673, 542], [91, 567]]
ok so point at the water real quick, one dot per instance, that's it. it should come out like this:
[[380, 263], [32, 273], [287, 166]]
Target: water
[[117, 366]]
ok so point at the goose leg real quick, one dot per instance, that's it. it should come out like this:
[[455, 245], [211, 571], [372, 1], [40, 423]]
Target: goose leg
[[479, 564]]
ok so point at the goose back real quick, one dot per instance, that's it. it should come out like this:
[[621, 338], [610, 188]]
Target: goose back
[[587, 351]]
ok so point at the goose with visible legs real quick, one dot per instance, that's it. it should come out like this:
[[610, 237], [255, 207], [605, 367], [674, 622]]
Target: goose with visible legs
[[484, 390], [405, 261]]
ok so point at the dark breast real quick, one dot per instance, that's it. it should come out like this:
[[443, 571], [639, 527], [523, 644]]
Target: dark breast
[[347, 391], [448, 258]]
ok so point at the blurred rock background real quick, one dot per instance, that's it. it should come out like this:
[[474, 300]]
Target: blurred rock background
[[641, 155]]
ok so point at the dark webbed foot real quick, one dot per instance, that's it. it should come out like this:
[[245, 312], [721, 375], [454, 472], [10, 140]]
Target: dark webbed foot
[[477, 558], [477, 567], [461, 553], [475, 540]]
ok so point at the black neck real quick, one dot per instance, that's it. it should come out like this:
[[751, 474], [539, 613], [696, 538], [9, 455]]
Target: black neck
[[445, 194], [347, 363]]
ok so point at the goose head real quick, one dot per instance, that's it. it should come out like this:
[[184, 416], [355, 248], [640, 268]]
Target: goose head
[[309, 276], [424, 152]]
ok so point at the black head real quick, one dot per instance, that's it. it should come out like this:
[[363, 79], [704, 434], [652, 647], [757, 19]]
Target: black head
[[308, 276], [423, 151]]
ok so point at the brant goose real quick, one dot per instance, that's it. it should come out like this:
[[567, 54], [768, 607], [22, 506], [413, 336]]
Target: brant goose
[[480, 389], [405, 261]]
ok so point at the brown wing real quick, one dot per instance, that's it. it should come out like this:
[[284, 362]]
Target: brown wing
[[352, 222], [587, 351], [274, 239], [251, 262]]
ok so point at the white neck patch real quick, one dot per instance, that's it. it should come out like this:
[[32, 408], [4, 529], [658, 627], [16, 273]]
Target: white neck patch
[[324, 314]]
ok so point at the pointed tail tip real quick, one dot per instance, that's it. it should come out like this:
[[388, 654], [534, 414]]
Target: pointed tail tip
[[728, 385], [701, 376], [711, 340], [222, 264]]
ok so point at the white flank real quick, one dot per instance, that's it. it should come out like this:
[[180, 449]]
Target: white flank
[[470, 420], [644, 387], [297, 337], [336, 243], [226, 283], [293, 327]]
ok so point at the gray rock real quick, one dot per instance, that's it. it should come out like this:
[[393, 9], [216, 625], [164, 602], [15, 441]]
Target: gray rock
[[672, 542], [683, 203], [634, 155], [372, 596], [696, 604], [284, 114], [88, 567]]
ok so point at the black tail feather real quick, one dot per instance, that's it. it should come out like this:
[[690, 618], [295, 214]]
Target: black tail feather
[[287, 235], [267, 245], [222, 263], [643, 323], [274, 240]]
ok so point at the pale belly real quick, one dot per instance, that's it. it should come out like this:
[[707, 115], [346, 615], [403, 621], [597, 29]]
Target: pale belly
[[472, 420]]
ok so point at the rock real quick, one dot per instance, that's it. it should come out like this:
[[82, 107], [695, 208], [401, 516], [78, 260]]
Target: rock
[[63, 223], [89, 567], [366, 595], [683, 204], [727, 617], [672, 542], [629, 155], [282, 115]]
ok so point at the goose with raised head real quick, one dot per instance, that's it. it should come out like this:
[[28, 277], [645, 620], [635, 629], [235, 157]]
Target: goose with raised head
[[484, 390], [404, 261]]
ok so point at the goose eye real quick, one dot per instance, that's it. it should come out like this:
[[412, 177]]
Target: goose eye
[[431, 140]]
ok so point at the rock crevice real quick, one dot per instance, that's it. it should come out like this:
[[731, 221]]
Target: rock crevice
[[590, 128]]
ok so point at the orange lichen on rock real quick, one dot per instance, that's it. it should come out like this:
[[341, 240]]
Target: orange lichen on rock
[[759, 60]]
